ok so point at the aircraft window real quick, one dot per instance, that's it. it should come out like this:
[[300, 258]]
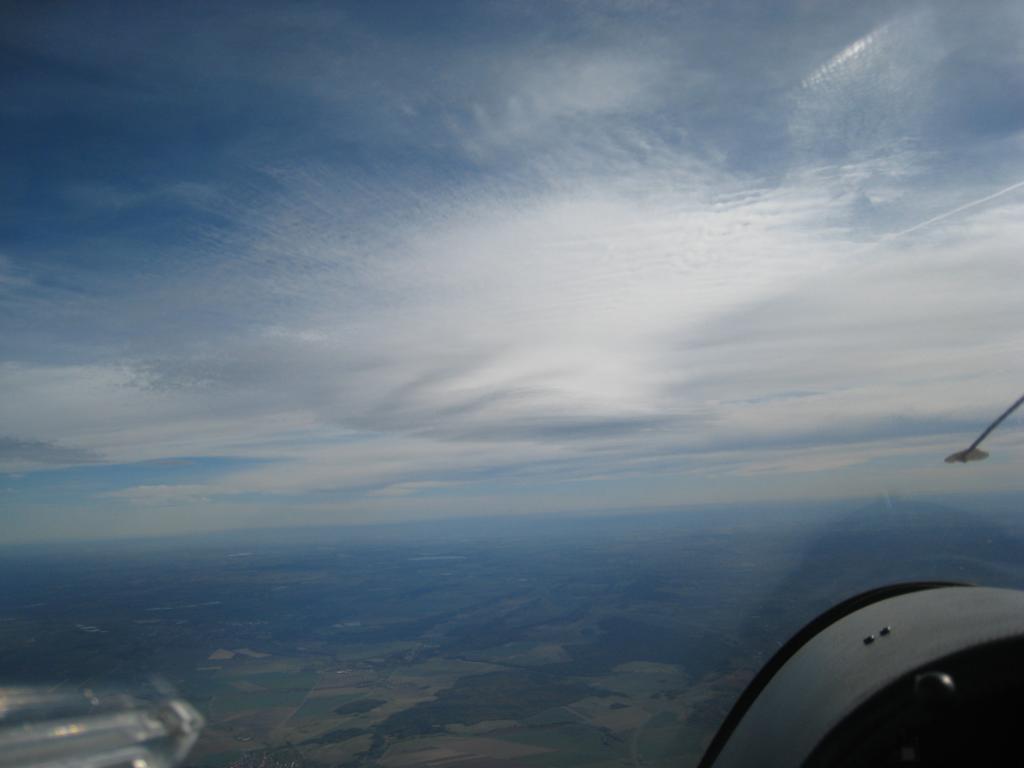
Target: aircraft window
[[487, 384]]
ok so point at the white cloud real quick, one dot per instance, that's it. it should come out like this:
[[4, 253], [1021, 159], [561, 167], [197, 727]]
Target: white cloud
[[877, 91], [533, 99], [604, 296], [572, 332]]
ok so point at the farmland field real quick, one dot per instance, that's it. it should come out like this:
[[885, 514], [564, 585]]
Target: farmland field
[[452, 647]]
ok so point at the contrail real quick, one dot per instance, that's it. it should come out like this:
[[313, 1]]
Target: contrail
[[947, 214]]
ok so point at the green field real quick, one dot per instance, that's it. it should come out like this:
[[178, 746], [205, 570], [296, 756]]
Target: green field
[[323, 706], [570, 744]]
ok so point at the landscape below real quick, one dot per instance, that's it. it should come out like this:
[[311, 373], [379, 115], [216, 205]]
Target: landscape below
[[490, 643]]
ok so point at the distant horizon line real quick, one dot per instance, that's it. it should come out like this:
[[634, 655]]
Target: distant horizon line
[[804, 505]]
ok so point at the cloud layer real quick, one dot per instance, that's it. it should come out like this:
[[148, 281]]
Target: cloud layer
[[519, 261]]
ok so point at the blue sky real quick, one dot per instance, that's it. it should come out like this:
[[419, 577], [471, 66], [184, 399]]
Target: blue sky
[[272, 264]]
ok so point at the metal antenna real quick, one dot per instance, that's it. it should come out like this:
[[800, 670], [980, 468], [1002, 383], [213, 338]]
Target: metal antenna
[[973, 453]]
